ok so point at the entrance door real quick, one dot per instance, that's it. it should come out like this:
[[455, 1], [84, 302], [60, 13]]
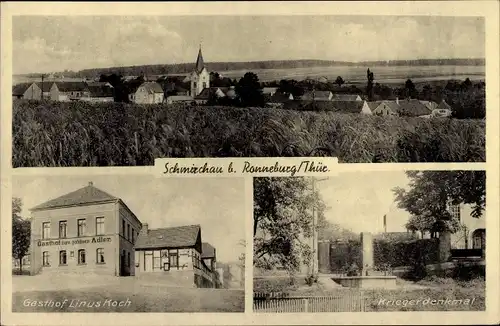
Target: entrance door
[[122, 264]]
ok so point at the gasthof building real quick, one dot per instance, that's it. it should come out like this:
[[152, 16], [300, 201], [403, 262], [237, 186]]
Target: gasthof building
[[87, 230]]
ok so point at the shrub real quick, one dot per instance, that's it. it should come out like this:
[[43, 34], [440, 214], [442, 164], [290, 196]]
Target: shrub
[[116, 134]]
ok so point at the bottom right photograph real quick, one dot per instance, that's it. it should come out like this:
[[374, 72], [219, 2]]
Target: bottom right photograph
[[370, 241]]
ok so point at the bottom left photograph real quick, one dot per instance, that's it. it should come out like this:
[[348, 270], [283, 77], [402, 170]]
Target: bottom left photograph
[[127, 243]]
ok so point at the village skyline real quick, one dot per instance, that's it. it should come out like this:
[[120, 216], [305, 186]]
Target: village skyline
[[103, 42]]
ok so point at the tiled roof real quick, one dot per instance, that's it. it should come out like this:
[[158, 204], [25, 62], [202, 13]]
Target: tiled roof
[[269, 90], [174, 237], [348, 106], [20, 89], [71, 86], [444, 106], [152, 87], [317, 95], [279, 98], [101, 91], [46, 86], [346, 97], [207, 250], [373, 105], [205, 93], [86, 195], [413, 107]]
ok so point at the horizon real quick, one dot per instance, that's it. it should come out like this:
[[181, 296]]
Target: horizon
[[99, 42], [354, 63]]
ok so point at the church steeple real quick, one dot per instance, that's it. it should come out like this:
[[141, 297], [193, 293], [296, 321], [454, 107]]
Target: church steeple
[[199, 62]]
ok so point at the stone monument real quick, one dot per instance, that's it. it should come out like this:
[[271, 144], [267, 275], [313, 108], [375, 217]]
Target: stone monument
[[367, 252]]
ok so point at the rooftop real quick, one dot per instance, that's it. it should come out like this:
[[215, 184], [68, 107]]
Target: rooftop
[[173, 237], [82, 196]]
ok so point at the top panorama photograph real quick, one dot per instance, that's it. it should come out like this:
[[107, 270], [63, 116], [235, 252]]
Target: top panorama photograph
[[124, 90]]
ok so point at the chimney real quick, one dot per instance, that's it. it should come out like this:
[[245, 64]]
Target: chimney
[[144, 229], [397, 100], [91, 184]]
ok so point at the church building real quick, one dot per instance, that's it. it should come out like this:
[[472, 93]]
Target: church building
[[200, 77]]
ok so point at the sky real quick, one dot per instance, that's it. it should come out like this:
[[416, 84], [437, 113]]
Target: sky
[[358, 201], [218, 205], [55, 43]]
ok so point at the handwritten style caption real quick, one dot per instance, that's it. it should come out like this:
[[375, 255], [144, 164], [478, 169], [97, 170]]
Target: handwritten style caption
[[240, 167]]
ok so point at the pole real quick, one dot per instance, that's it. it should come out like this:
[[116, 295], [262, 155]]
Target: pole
[[41, 96]]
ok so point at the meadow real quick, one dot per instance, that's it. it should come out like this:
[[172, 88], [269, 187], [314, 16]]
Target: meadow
[[115, 134]]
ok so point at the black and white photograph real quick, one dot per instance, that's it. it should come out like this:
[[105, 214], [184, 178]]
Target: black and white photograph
[[127, 243], [370, 241], [123, 90]]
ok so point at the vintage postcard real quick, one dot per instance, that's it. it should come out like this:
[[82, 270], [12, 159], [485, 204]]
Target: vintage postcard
[[212, 163]]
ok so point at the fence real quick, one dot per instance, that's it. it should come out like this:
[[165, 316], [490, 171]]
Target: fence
[[345, 302]]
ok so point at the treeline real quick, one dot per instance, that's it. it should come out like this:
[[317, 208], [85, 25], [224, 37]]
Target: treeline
[[181, 68]]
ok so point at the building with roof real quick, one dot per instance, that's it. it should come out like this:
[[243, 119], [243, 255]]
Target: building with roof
[[200, 77], [346, 97], [87, 230], [147, 93], [175, 251], [99, 92], [317, 96], [384, 108], [412, 108], [32, 90], [69, 91], [472, 231]]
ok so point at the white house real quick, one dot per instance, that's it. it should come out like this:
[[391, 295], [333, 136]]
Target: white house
[[473, 230], [147, 93]]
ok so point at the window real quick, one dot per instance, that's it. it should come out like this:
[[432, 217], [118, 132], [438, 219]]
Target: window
[[45, 258], [128, 231], [62, 257], [128, 259], [455, 212], [45, 230], [157, 259], [100, 256], [194, 85], [174, 259], [133, 235], [62, 229], [99, 225], [81, 227], [81, 256], [204, 85], [123, 227]]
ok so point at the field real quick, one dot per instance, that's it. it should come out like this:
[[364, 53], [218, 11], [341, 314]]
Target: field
[[114, 134], [352, 74], [357, 74]]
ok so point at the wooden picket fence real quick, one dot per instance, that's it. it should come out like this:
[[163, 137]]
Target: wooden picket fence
[[345, 302]]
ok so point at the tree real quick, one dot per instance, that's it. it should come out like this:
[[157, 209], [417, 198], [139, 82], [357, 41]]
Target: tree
[[21, 231], [249, 91], [369, 86], [339, 81], [410, 89], [431, 192], [282, 221]]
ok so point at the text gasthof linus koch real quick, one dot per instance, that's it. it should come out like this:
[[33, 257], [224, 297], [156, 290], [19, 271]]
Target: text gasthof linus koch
[[239, 167]]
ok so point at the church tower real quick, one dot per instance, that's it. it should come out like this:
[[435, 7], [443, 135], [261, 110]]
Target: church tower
[[200, 78]]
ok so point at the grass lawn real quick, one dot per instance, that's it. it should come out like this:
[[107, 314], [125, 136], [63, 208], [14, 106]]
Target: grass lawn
[[137, 299]]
